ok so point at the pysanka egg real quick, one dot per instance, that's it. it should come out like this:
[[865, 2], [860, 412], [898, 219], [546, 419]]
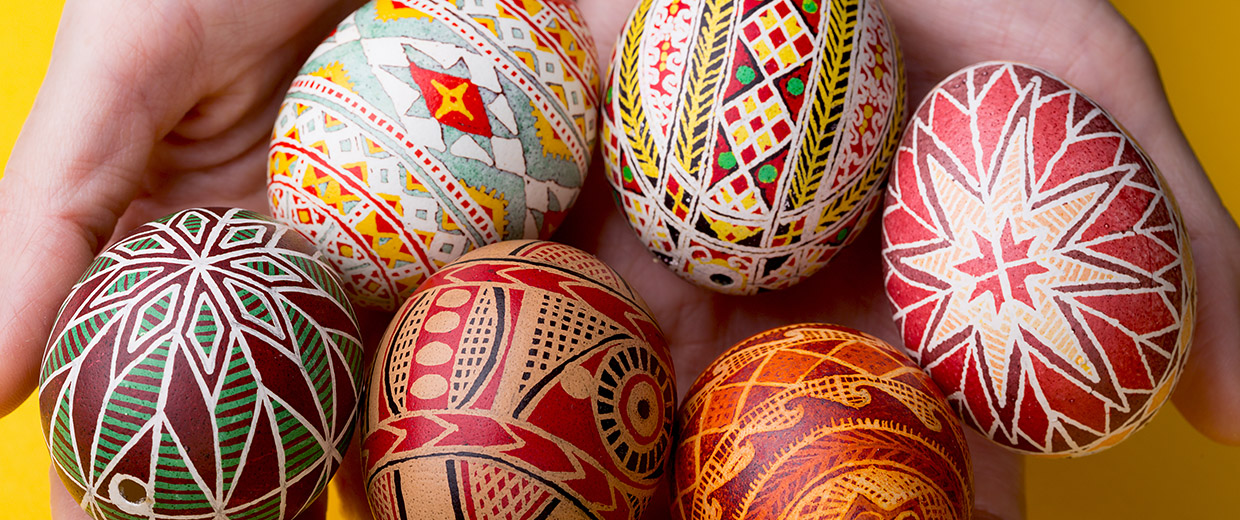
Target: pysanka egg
[[746, 141], [207, 365], [1036, 262], [422, 129], [524, 380], [818, 421]]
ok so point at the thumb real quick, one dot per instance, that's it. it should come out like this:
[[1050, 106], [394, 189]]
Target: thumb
[[73, 171], [64, 507]]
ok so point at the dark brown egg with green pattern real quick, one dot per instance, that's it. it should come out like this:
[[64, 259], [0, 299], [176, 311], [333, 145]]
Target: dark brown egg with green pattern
[[205, 366]]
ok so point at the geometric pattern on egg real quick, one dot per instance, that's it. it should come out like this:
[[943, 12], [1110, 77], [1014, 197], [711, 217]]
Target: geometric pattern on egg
[[524, 380], [207, 365], [747, 142], [423, 129], [1036, 262]]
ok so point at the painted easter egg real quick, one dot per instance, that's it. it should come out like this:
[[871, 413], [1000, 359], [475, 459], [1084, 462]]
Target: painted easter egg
[[746, 141], [1036, 262], [207, 365], [525, 380], [422, 129], [818, 421]]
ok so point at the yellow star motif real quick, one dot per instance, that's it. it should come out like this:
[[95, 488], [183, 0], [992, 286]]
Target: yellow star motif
[[452, 100]]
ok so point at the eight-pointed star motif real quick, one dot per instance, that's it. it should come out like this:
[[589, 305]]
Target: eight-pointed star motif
[[1014, 258], [1036, 267]]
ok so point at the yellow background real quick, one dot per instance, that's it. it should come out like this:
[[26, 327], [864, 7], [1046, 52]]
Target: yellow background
[[1165, 471]]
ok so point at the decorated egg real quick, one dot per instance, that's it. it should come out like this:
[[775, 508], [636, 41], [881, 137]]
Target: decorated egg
[[207, 365], [1036, 262], [818, 421], [422, 129], [746, 141], [524, 380]]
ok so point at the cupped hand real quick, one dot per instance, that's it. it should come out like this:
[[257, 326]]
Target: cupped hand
[[147, 108], [151, 107], [1086, 42]]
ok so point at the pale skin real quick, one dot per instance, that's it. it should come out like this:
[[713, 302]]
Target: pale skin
[[155, 106]]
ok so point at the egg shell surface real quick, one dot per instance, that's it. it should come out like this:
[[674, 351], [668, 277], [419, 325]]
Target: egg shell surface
[[1036, 262], [206, 364], [818, 419], [422, 129], [524, 380], [746, 141]]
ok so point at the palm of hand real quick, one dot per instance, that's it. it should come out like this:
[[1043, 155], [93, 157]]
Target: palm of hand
[[217, 75], [701, 324], [189, 124], [151, 109]]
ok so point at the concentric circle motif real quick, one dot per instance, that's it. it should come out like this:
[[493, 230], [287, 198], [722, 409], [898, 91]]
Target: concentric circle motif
[[423, 129], [822, 422], [205, 366], [1036, 262], [525, 380], [746, 140], [635, 393]]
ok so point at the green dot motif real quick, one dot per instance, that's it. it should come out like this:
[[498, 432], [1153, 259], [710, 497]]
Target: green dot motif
[[745, 74], [796, 87], [766, 173]]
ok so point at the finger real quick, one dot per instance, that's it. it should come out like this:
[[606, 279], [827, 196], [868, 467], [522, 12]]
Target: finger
[[1091, 46], [54, 214], [52, 220], [350, 482], [64, 507], [72, 172], [998, 479], [605, 18], [1208, 393]]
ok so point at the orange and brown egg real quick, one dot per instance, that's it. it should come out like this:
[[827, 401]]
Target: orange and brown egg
[[818, 421]]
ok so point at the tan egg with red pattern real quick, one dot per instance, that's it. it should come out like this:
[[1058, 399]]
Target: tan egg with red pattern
[[524, 380]]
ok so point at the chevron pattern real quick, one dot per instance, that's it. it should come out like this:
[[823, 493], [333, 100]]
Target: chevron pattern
[[191, 356], [746, 141]]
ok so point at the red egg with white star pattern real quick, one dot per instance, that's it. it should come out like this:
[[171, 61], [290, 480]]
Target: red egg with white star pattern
[[1036, 262]]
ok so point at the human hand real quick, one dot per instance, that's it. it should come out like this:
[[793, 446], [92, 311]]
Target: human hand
[[179, 116], [1087, 43], [147, 108]]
